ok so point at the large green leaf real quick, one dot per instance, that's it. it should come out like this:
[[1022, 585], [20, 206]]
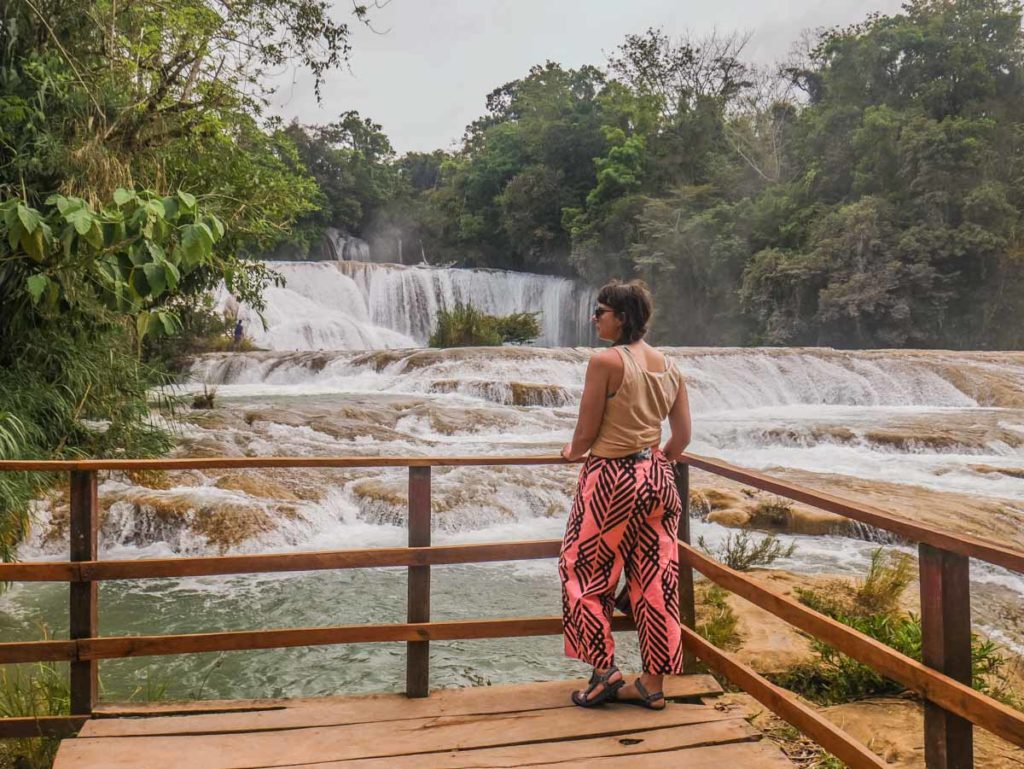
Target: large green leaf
[[36, 285], [156, 279], [30, 218], [81, 219]]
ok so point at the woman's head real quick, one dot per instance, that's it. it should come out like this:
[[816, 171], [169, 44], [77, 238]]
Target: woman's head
[[623, 311]]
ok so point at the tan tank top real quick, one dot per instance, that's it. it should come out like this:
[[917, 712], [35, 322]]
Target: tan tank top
[[634, 413]]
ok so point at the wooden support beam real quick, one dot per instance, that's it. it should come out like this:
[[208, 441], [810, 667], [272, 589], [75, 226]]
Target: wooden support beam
[[417, 666], [43, 726], [785, 705], [964, 544], [946, 647], [83, 595], [687, 603]]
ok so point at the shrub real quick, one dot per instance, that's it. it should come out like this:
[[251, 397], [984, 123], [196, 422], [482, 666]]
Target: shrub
[[743, 553], [774, 511], [872, 608], [519, 327], [465, 326], [205, 399]]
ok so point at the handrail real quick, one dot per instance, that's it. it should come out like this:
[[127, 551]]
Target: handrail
[[251, 463], [205, 566], [962, 544], [953, 695], [944, 677]]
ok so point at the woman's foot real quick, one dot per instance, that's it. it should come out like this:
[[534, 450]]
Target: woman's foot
[[646, 691], [604, 684]]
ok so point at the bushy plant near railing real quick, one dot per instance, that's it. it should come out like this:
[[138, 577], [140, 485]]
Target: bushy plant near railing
[[873, 608], [463, 325], [743, 553]]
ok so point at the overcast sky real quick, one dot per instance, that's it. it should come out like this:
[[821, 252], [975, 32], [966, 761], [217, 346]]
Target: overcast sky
[[424, 74]]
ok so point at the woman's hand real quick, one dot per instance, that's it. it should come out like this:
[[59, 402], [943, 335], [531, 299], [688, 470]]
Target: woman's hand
[[567, 452]]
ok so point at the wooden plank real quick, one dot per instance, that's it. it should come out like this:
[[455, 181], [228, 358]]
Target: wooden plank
[[283, 562], [192, 643], [628, 747], [83, 595], [392, 738], [939, 688], [946, 647], [43, 726], [37, 651], [250, 463], [746, 755], [47, 571], [687, 602], [417, 653], [338, 711], [786, 705], [964, 544]]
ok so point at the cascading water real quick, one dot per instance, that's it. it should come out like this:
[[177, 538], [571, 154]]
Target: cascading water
[[350, 305], [936, 436]]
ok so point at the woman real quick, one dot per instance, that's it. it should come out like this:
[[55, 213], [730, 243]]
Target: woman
[[626, 510]]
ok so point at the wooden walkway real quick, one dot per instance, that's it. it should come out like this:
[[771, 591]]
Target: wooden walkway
[[497, 726]]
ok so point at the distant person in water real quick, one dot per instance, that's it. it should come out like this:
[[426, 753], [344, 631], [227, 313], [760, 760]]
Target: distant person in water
[[238, 333], [626, 510]]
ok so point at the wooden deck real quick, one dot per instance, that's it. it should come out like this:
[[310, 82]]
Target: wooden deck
[[497, 726]]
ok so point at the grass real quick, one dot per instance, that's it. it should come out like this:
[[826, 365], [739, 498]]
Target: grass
[[42, 689], [716, 619], [37, 690], [801, 750]]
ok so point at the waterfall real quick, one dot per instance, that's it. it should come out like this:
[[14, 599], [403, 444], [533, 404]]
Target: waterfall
[[355, 305]]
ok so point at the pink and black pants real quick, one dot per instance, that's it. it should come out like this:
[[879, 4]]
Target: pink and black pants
[[624, 517]]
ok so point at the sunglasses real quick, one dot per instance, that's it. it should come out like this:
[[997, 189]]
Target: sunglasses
[[599, 311]]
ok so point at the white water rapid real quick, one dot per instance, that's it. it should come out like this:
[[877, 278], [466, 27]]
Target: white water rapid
[[348, 305], [936, 436]]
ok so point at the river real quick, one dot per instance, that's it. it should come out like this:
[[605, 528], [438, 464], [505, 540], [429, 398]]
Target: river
[[937, 436]]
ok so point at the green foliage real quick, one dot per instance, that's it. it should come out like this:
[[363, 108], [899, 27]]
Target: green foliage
[[465, 326], [518, 328], [136, 173], [774, 511], [118, 260], [716, 619], [38, 690], [873, 608], [881, 209], [743, 552]]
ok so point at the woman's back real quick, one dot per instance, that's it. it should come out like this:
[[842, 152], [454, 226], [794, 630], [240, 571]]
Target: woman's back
[[639, 402]]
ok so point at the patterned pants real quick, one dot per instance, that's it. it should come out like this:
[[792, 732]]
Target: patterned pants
[[624, 516]]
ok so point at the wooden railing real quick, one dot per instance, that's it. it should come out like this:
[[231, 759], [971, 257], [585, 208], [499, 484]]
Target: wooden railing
[[943, 678]]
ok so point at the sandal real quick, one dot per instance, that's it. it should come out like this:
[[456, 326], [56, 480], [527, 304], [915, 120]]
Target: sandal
[[607, 693], [646, 698]]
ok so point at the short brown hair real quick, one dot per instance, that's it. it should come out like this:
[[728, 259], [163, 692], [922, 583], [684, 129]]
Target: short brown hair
[[632, 303]]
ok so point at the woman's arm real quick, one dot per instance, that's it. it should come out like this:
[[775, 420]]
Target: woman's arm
[[595, 393], [679, 421]]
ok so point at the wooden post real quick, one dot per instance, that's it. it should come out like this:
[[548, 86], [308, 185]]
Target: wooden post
[[83, 595], [946, 647], [417, 666], [687, 605]]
